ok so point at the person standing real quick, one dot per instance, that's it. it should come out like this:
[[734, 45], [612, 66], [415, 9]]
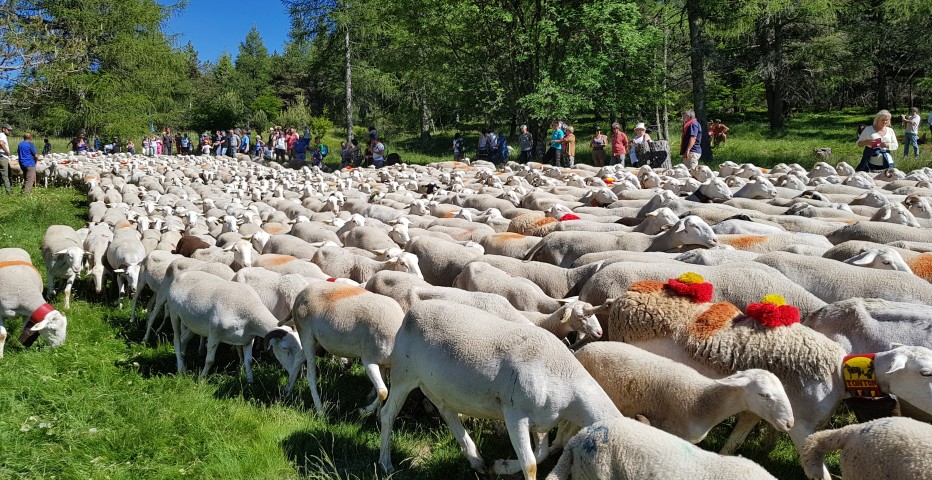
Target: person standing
[[244, 143], [459, 147], [569, 142], [691, 140], [5, 157], [28, 156], [930, 122], [290, 138], [911, 135], [228, 148], [47, 148], [597, 144], [640, 138], [526, 143], [378, 153], [555, 152], [482, 149], [168, 141], [619, 145]]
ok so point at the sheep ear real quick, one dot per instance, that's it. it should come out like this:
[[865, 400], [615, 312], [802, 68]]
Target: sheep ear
[[896, 345], [568, 300], [680, 226], [228, 248], [567, 313], [40, 326], [866, 258], [898, 363], [734, 381]]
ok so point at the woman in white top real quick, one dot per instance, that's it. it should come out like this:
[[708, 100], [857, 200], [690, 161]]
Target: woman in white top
[[878, 141], [640, 136]]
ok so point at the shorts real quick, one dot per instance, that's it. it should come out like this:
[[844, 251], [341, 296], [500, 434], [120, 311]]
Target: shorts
[[692, 160]]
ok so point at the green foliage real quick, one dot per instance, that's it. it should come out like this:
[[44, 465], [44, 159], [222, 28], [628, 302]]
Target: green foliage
[[296, 115]]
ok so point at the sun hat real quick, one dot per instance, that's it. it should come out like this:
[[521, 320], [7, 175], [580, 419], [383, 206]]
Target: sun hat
[[640, 126]]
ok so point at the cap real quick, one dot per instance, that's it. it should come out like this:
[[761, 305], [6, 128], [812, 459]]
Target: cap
[[598, 129], [640, 126], [6, 126]]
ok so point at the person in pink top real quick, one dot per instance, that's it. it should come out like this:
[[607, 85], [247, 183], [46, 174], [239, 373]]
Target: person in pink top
[[619, 143], [290, 139]]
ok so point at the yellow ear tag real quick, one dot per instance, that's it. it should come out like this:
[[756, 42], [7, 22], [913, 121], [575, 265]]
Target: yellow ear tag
[[691, 278], [566, 315]]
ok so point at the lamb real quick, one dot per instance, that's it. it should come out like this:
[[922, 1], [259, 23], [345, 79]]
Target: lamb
[[21, 296], [872, 325], [521, 292], [811, 273], [95, 247], [441, 261], [350, 322], [884, 448], [563, 248], [622, 448], [468, 362], [677, 399], [125, 254], [341, 263], [63, 257], [221, 310], [555, 281], [717, 338]]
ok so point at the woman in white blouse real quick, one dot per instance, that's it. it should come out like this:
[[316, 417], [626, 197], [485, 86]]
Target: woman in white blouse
[[878, 141]]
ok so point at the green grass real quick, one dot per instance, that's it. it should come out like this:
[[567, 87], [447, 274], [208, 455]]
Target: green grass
[[104, 405]]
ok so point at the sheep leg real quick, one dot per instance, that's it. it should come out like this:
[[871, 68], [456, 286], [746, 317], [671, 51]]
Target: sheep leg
[[401, 387], [375, 376], [176, 330], [746, 422], [467, 446], [519, 432], [309, 353], [50, 283], [247, 359], [120, 282], [136, 294], [543, 447], [2, 339], [153, 312], [212, 343]]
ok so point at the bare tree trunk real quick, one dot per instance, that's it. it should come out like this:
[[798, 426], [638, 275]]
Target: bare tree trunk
[[883, 100], [666, 117], [425, 120], [349, 88], [696, 60], [771, 38]]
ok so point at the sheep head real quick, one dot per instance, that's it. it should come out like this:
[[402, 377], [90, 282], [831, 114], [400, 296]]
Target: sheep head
[[53, 328], [880, 258], [578, 315], [906, 371], [763, 395]]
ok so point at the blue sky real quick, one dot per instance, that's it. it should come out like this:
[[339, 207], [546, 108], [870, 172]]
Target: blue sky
[[214, 27]]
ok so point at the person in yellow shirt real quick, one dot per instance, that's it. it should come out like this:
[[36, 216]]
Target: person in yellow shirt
[[569, 148]]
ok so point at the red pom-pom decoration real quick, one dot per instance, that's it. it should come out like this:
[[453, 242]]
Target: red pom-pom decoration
[[698, 292], [569, 216], [772, 316]]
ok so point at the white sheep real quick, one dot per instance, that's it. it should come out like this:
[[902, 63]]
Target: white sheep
[[880, 258], [349, 322], [125, 255], [676, 398], [469, 362], [95, 248], [893, 447], [63, 255], [21, 296], [221, 310], [622, 448]]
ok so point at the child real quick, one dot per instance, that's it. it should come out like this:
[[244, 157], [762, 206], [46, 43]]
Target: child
[[47, 148]]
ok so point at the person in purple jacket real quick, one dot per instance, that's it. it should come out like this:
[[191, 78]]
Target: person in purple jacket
[[28, 156]]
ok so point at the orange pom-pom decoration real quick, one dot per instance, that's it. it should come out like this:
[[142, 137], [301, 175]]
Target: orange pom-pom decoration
[[609, 180], [569, 216], [692, 285], [773, 312]]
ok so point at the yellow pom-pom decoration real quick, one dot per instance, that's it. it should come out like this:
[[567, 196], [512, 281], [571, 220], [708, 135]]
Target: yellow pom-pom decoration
[[691, 278], [774, 299]]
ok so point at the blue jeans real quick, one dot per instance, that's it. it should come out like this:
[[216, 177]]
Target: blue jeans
[[912, 140]]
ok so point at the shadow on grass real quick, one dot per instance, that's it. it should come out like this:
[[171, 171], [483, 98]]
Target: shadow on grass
[[326, 452]]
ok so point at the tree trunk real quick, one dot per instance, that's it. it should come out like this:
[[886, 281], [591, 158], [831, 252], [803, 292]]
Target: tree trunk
[[771, 39], [538, 129], [696, 61], [657, 119], [883, 101], [666, 52], [349, 89], [425, 120]]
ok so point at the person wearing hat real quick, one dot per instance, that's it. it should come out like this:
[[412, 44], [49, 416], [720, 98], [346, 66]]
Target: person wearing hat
[[5, 157], [597, 144], [640, 138]]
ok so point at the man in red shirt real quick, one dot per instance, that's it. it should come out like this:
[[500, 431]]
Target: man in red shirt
[[619, 143]]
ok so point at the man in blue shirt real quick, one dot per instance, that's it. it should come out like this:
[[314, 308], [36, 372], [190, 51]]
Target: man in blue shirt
[[28, 156], [244, 143]]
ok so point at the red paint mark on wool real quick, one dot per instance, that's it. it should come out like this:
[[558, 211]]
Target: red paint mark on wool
[[569, 216]]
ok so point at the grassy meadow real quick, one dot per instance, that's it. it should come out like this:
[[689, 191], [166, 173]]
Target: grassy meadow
[[107, 406]]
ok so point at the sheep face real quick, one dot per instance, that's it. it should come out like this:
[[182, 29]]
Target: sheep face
[[870, 199], [408, 263], [895, 213], [580, 316], [656, 221], [918, 206], [53, 328], [69, 261], [286, 345], [693, 230], [909, 375], [881, 259], [764, 396]]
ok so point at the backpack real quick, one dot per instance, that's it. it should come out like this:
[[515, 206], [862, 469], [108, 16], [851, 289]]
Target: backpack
[[324, 150]]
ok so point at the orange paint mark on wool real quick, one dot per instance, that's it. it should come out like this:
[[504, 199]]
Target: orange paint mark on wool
[[274, 229], [508, 236], [717, 317], [273, 259], [544, 221], [743, 242], [646, 286], [18, 263], [922, 266], [449, 215], [343, 292]]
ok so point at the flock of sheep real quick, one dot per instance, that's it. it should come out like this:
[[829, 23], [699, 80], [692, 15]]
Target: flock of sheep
[[619, 307]]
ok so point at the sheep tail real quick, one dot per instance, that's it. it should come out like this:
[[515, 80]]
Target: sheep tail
[[817, 446], [288, 319], [533, 251], [562, 470]]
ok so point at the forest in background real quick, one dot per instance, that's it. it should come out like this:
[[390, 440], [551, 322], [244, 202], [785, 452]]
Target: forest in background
[[108, 67]]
